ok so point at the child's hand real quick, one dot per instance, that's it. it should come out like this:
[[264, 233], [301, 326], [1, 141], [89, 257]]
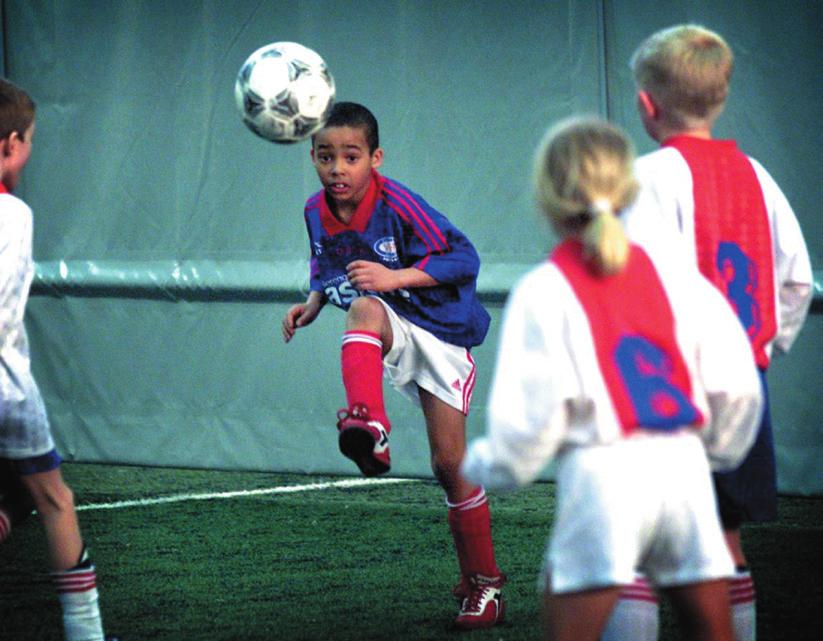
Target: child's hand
[[367, 276], [300, 315]]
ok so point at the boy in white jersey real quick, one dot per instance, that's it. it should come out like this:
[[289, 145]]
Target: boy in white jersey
[[603, 364], [738, 228], [29, 464]]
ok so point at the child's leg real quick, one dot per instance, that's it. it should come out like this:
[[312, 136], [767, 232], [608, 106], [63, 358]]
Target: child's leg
[[364, 426], [54, 503], [635, 615], [748, 493], [446, 427], [73, 573], [469, 517], [703, 610], [15, 502], [741, 591], [367, 339], [577, 616]]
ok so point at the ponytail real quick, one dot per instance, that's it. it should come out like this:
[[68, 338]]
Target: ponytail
[[583, 178], [605, 242]]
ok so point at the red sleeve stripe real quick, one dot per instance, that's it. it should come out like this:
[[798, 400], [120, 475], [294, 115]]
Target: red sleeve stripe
[[410, 210]]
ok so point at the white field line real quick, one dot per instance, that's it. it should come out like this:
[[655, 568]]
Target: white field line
[[283, 489]]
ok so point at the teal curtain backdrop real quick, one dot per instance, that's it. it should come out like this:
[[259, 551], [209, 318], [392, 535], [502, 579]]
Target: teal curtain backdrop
[[169, 240]]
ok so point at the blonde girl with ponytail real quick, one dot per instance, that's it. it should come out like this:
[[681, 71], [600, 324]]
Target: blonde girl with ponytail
[[583, 179], [635, 375]]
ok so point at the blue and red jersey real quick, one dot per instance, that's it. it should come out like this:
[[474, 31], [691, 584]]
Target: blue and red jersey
[[397, 228]]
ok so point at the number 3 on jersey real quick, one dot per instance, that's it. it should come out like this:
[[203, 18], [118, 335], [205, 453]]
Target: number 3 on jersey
[[739, 273]]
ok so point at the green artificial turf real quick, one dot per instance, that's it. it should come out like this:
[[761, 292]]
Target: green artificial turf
[[335, 564]]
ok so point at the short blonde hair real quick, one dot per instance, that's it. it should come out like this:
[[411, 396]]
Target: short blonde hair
[[686, 69], [583, 176]]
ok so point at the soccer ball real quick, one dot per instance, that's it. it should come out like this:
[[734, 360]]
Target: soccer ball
[[284, 92]]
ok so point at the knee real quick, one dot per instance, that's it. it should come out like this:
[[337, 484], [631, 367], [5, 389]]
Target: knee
[[446, 469], [365, 311], [53, 498]]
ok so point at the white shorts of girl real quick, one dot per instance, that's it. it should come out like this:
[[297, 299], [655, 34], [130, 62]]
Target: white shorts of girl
[[644, 503], [418, 357]]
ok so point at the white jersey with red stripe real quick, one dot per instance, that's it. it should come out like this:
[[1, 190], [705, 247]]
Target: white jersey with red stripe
[[24, 425], [668, 188], [554, 389]]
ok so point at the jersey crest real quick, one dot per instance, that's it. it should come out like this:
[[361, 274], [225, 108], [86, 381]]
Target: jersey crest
[[633, 328]]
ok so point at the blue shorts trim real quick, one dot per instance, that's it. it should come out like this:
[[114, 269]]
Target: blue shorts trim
[[37, 464], [749, 493]]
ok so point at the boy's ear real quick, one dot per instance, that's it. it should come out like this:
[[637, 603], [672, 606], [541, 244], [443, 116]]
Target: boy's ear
[[647, 104], [377, 158], [7, 144]]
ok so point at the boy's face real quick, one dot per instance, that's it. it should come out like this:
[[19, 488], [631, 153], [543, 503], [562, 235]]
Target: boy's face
[[344, 164], [16, 151]]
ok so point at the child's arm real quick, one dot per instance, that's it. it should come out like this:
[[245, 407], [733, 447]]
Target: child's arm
[[532, 391], [794, 269], [302, 314], [455, 261], [432, 243], [729, 377], [376, 277], [15, 257]]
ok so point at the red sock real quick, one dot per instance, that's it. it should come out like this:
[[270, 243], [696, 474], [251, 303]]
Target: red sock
[[470, 524], [5, 524], [361, 360]]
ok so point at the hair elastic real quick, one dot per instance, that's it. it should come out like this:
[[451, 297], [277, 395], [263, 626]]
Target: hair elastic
[[600, 206]]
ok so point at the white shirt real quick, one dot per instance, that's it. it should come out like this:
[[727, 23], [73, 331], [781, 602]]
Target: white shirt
[[548, 392], [24, 429], [666, 187]]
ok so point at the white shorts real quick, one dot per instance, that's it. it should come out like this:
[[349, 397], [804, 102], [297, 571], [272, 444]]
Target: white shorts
[[418, 357], [24, 425], [642, 504]]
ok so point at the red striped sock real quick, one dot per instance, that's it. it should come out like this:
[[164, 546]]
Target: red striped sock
[[635, 615], [77, 591], [5, 525], [361, 360], [470, 524], [742, 598], [640, 590]]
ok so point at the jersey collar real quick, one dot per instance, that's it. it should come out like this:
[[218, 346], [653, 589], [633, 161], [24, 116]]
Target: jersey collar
[[698, 143], [362, 214]]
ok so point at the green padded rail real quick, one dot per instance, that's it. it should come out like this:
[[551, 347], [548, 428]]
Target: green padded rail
[[231, 280]]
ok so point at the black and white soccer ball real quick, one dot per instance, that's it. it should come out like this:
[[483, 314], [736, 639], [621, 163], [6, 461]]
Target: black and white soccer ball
[[284, 92]]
